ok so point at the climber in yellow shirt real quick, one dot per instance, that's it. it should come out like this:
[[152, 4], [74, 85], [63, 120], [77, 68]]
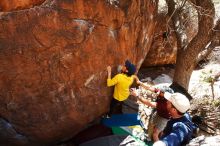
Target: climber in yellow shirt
[[122, 82]]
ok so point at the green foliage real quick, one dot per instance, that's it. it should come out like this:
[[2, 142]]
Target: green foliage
[[216, 103], [207, 77]]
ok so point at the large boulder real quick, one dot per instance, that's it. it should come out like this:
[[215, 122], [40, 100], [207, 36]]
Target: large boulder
[[164, 46], [54, 58]]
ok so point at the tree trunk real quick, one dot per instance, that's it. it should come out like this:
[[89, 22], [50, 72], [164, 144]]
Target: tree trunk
[[186, 56]]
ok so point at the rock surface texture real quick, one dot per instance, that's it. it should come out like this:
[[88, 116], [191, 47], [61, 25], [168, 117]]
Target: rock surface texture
[[54, 58], [13, 5], [164, 48]]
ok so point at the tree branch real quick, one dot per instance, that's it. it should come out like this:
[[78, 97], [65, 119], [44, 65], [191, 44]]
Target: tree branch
[[175, 15], [214, 42], [202, 55]]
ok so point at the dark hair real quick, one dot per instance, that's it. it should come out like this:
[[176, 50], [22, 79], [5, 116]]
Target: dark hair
[[130, 67]]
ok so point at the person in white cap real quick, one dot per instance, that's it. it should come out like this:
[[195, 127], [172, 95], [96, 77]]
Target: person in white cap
[[160, 115], [179, 128]]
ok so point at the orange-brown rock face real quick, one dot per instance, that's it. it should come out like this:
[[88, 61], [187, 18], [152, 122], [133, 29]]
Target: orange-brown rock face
[[164, 46], [163, 49], [54, 58], [11, 5]]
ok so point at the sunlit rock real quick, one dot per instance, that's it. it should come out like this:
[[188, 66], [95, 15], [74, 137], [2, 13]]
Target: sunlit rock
[[54, 58]]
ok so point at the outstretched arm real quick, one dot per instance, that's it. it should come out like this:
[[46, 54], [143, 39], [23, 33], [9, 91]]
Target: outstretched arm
[[147, 102], [136, 78], [109, 70], [150, 88], [143, 100], [111, 81], [147, 87]]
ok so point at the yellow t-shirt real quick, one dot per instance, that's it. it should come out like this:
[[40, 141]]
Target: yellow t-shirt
[[122, 84]]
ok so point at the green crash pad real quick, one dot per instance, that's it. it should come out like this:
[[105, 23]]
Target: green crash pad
[[136, 132]]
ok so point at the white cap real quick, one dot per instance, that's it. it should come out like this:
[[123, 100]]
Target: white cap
[[159, 143], [179, 101]]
